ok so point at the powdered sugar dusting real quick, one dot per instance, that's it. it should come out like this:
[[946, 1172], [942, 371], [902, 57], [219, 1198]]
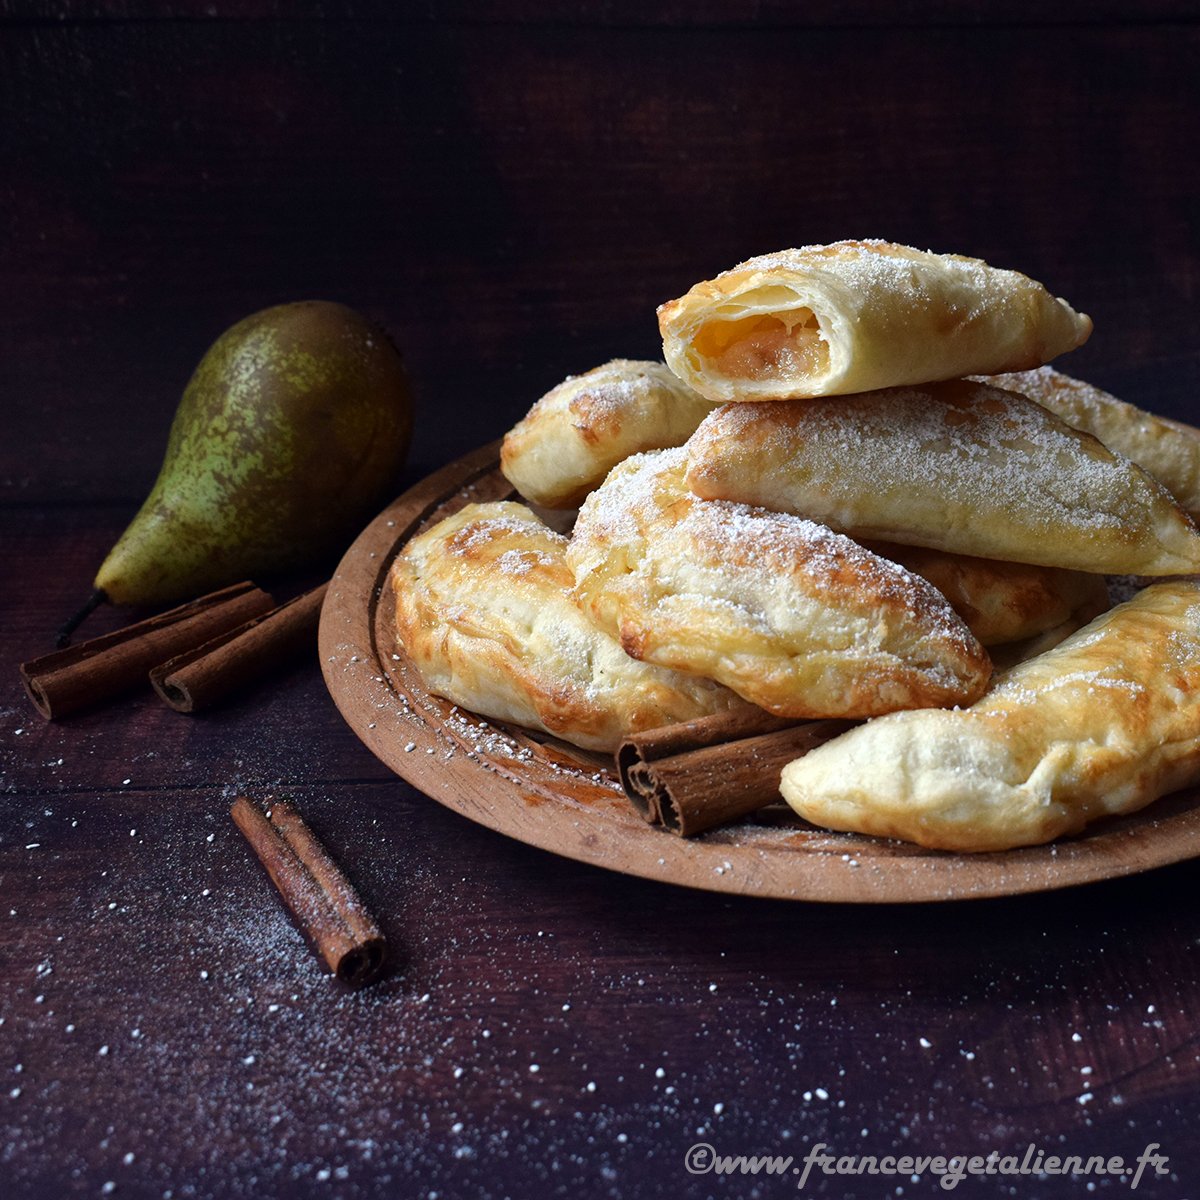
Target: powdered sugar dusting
[[650, 556], [1044, 383], [610, 389], [630, 505], [618, 387], [493, 526], [871, 266], [956, 466], [1168, 450]]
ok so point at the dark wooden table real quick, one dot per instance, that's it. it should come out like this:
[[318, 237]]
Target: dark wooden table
[[511, 189]]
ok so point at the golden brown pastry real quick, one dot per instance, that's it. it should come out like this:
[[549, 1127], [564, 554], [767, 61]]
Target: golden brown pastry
[[1105, 723], [855, 316], [1168, 450], [578, 431], [956, 466], [789, 615], [1005, 657], [1003, 602], [483, 609]]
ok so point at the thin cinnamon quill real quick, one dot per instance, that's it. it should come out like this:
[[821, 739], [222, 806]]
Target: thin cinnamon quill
[[320, 897], [206, 674], [699, 774], [86, 674]]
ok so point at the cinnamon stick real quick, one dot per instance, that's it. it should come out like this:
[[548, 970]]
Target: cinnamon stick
[[206, 674], [323, 901], [698, 775], [83, 675], [642, 748]]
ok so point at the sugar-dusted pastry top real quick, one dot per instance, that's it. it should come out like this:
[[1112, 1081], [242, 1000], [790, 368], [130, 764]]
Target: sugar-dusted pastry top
[[1003, 602], [579, 430], [1168, 450], [793, 617], [483, 609], [956, 466], [1104, 723], [859, 315]]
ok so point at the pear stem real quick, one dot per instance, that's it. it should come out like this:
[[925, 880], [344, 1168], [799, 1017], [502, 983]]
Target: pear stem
[[98, 597]]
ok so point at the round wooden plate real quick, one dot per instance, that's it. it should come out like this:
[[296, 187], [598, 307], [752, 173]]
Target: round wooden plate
[[551, 795]]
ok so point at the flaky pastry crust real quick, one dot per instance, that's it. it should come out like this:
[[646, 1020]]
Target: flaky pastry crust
[[483, 608], [1003, 602], [956, 466], [1103, 724], [570, 439], [859, 315], [795, 618], [1169, 450]]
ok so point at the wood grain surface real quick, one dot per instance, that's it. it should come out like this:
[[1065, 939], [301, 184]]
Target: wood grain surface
[[511, 189]]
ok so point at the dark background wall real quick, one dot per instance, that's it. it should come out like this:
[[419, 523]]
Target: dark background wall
[[512, 188]]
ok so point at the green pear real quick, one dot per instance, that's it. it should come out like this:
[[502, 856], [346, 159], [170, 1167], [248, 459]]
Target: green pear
[[289, 435]]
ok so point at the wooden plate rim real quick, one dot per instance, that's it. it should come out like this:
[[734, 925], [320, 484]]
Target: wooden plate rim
[[547, 795]]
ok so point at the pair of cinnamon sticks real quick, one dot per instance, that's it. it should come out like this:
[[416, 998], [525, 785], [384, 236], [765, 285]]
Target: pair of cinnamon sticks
[[193, 655], [715, 770]]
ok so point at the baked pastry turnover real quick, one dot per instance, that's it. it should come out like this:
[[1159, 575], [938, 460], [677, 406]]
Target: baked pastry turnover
[[1168, 450], [956, 466], [578, 431], [1105, 723], [855, 316], [483, 609], [1003, 602], [795, 618]]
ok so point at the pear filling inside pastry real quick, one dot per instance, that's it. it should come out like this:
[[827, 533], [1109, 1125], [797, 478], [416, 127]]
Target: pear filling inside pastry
[[763, 346]]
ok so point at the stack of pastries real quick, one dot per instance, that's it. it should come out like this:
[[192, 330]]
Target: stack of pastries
[[855, 490]]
